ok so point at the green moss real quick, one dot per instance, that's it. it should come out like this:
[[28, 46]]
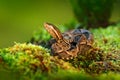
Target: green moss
[[32, 62], [107, 38], [105, 54]]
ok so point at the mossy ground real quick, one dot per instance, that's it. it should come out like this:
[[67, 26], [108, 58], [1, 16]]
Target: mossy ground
[[31, 62]]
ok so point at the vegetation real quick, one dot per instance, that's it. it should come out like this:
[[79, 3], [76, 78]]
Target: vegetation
[[39, 39], [93, 13], [32, 62], [105, 56]]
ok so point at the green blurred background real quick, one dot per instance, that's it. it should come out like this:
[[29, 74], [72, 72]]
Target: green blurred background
[[20, 18]]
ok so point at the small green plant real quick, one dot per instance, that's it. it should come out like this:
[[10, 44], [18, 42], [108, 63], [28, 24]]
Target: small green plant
[[93, 13]]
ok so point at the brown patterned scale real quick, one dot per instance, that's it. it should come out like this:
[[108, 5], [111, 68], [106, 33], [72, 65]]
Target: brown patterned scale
[[69, 44]]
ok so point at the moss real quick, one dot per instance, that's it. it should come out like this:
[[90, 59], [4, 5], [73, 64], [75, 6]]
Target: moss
[[105, 54], [31, 62]]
